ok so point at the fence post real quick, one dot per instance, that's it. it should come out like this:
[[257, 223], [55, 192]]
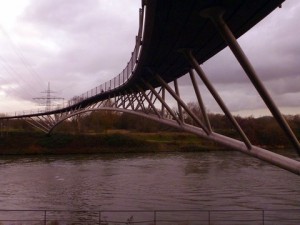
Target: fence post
[[154, 219], [208, 217], [99, 217], [45, 217]]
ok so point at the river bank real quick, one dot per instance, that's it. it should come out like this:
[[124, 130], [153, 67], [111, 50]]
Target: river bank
[[16, 143]]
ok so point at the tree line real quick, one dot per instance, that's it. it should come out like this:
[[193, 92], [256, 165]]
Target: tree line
[[261, 131]]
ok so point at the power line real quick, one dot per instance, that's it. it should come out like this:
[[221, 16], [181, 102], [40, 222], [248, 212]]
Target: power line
[[10, 87], [9, 69], [24, 61]]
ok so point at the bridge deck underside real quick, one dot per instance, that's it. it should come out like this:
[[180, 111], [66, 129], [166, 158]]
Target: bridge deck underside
[[173, 25], [176, 25]]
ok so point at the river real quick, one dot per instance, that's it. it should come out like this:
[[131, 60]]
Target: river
[[204, 180]]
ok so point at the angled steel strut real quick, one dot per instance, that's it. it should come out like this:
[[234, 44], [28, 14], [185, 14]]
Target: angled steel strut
[[216, 16]]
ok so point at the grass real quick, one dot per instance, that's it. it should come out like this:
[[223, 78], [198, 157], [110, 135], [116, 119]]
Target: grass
[[108, 142]]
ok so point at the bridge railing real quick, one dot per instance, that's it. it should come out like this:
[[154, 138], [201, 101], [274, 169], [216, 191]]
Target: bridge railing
[[154, 217], [127, 72]]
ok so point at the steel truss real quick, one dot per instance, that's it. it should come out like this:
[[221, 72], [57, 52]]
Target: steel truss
[[151, 104], [145, 100]]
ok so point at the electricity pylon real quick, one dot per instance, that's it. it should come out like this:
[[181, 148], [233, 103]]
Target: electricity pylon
[[48, 99]]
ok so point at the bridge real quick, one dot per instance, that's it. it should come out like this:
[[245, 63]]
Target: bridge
[[174, 39]]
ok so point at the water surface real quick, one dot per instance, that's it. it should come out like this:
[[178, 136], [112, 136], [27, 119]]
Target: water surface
[[206, 180]]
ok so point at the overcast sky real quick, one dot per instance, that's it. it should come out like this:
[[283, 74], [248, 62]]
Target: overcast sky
[[77, 45]]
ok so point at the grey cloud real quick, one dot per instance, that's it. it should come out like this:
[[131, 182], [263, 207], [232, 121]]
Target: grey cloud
[[93, 41], [95, 38], [285, 85], [273, 48], [55, 13], [275, 35]]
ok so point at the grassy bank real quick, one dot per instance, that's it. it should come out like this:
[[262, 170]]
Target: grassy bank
[[110, 142]]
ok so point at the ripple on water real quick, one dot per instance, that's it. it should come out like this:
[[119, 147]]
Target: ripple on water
[[208, 180]]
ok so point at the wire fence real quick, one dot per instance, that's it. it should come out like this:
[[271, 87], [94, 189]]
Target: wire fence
[[154, 217]]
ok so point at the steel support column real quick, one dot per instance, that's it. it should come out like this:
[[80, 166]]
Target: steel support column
[[162, 102], [149, 102], [163, 94], [179, 101], [216, 16], [217, 97], [200, 101], [178, 104], [139, 102]]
